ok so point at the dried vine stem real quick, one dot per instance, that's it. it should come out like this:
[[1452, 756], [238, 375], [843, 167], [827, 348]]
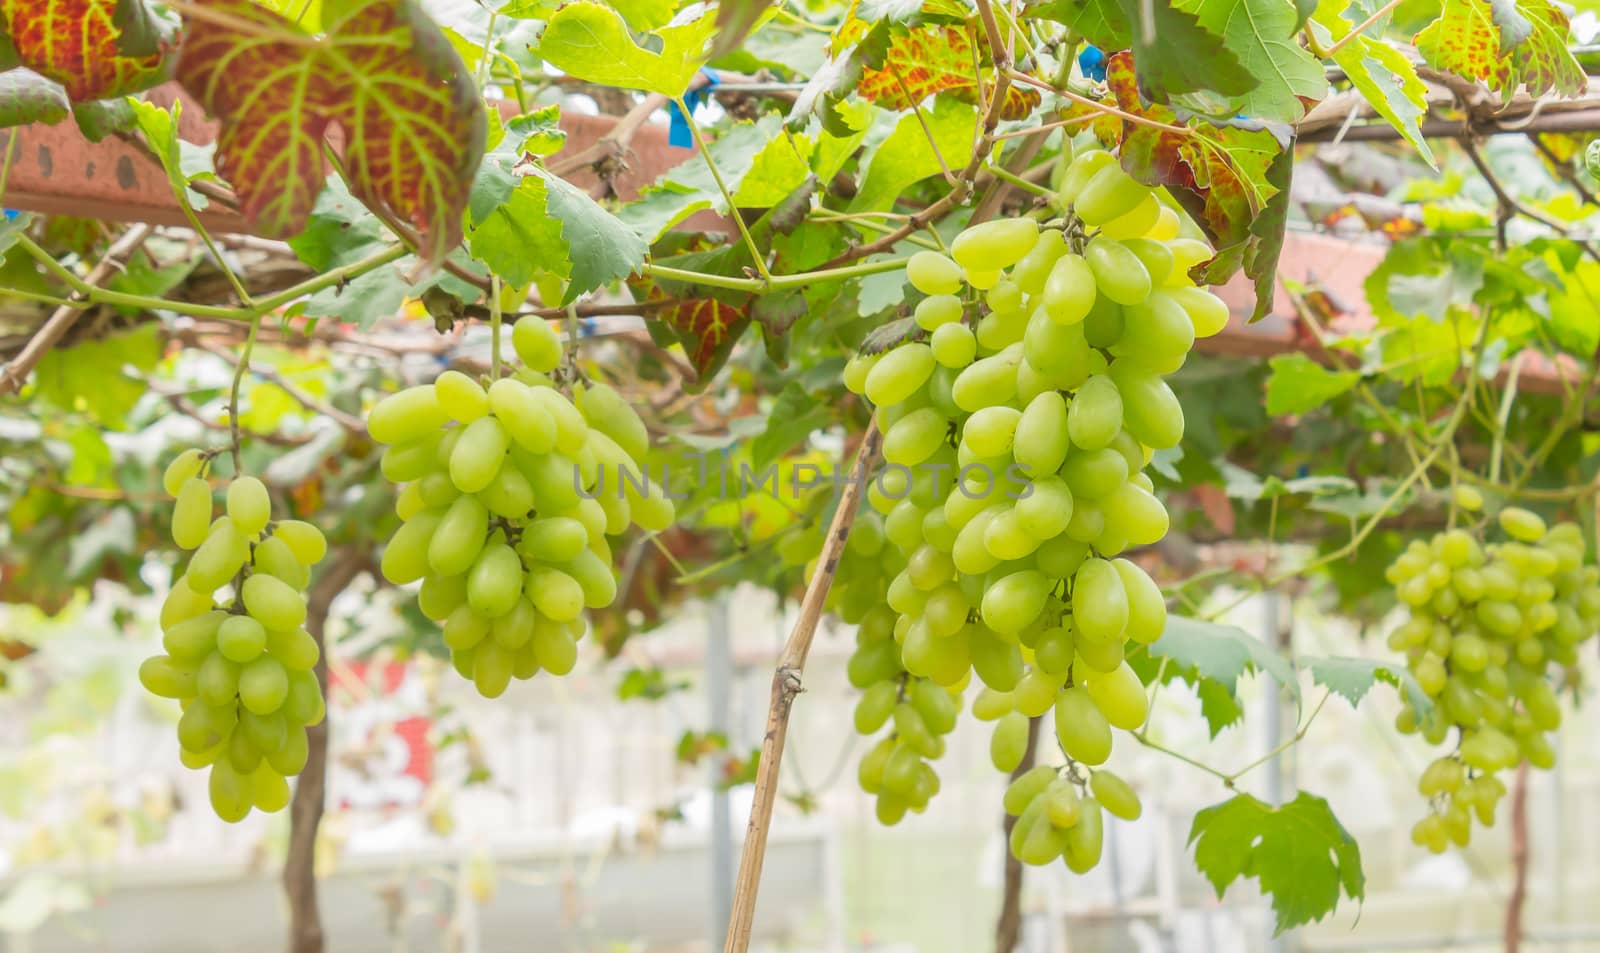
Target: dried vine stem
[[1519, 859], [310, 791], [980, 151], [15, 372], [785, 686]]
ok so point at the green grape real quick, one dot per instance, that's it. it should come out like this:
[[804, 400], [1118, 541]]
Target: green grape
[[304, 540], [1135, 223], [1031, 273], [1110, 193], [1060, 557], [936, 311], [992, 245], [495, 580], [989, 381], [274, 557], [1036, 693], [244, 756], [1099, 601], [191, 514], [1062, 805], [537, 344], [1147, 608], [1079, 173], [998, 330], [996, 662], [650, 507], [241, 638], [1157, 334], [1015, 601], [899, 374], [460, 397], [1096, 474], [1085, 839], [1118, 272], [915, 437], [933, 274], [1033, 840], [231, 795], [874, 707], [990, 430], [939, 710], [1040, 440], [411, 460], [478, 454], [273, 602], [522, 415], [464, 628], [491, 670], [551, 477], [515, 629], [1521, 524], [1047, 509], [1060, 354], [1082, 729], [594, 578], [263, 685], [572, 431], [405, 559], [1208, 314], [1004, 297], [269, 791], [1155, 256], [193, 639], [217, 680], [166, 677], [459, 537], [1095, 414], [1468, 498], [509, 494], [406, 415], [1009, 742], [1026, 789], [608, 412], [953, 345], [1120, 697], [1103, 325], [184, 467], [303, 705], [1069, 291], [1150, 410], [294, 648], [981, 278], [554, 593], [183, 603], [1134, 513], [217, 560]]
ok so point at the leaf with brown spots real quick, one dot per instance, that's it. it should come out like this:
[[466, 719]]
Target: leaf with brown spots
[[1232, 179], [93, 48], [923, 61], [411, 117], [1465, 40]]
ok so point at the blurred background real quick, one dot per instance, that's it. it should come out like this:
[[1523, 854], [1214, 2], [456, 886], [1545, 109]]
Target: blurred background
[[560, 818]]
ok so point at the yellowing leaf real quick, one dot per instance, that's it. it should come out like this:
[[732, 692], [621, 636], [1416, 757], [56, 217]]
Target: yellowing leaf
[[410, 115], [85, 45], [592, 42], [1379, 72]]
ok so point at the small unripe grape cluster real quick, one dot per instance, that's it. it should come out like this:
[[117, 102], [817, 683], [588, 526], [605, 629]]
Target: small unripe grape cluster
[[242, 666], [510, 491], [896, 768], [1017, 421], [1491, 628], [1059, 814]]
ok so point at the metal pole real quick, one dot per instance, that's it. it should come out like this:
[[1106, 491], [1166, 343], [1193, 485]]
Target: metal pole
[[719, 677]]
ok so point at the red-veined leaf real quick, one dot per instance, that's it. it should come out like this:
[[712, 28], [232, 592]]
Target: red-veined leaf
[[410, 116], [922, 62], [708, 329], [80, 44]]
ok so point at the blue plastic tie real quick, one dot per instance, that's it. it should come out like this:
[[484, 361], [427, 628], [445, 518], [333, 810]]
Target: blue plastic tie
[[678, 133], [1092, 61]]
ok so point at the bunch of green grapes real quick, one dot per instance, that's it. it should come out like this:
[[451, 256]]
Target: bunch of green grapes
[[242, 664], [919, 712], [861, 580], [510, 491], [1059, 814], [1493, 629], [1017, 422]]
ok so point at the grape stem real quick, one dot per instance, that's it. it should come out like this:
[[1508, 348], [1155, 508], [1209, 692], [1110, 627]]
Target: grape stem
[[786, 685], [233, 392]]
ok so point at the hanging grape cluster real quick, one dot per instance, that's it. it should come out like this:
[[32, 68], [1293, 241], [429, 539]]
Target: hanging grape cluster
[[1493, 631], [1017, 421], [241, 666], [510, 491]]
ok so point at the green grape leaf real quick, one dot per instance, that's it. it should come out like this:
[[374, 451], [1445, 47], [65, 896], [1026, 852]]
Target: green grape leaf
[[794, 415], [98, 118], [1262, 34], [592, 42], [689, 187], [906, 158], [1515, 28], [519, 240], [600, 248], [26, 97], [1380, 72], [1351, 678], [93, 48], [89, 377], [1223, 653], [1179, 56], [160, 129], [1299, 854], [1233, 179], [1298, 384], [411, 115]]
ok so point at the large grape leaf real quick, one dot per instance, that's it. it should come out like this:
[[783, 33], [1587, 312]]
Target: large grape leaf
[[924, 61], [1232, 178], [1299, 854], [600, 248], [906, 157], [1352, 678], [93, 48], [1543, 62], [592, 42], [1464, 40], [1262, 34], [1475, 39], [26, 97], [689, 187], [411, 117], [1179, 55], [1380, 72], [1222, 653], [519, 240], [1298, 384]]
